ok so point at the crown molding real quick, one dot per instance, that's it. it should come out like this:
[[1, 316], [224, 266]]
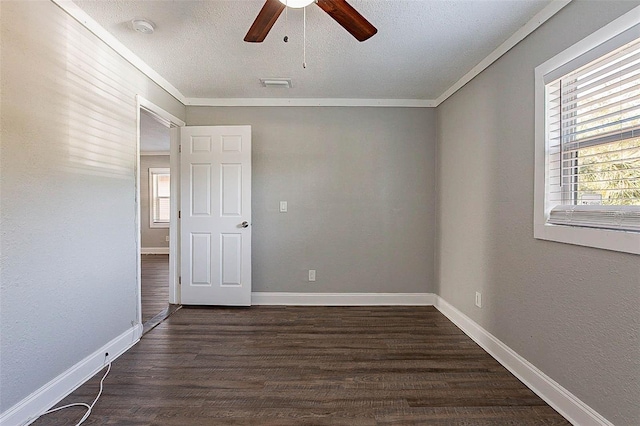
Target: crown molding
[[310, 102], [99, 31], [83, 18], [540, 18]]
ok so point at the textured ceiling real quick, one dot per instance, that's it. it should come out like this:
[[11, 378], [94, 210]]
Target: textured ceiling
[[422, 47]]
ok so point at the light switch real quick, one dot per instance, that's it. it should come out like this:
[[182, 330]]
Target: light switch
[[283, 206]]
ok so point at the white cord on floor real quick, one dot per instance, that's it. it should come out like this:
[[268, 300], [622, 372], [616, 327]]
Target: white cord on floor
[[82, 404]]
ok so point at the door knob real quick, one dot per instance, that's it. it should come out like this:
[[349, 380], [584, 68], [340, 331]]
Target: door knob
[[245, 224]]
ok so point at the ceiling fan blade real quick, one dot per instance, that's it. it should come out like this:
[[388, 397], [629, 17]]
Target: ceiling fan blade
[[349, 18], [264, 21]]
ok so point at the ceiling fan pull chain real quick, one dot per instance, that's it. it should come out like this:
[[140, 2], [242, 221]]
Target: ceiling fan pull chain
[[304, 38], [286, 22]]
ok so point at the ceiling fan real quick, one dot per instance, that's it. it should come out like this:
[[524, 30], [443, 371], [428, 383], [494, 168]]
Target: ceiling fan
[[341, 11]]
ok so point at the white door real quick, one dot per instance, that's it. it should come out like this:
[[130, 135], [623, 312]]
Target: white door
[[215, 188]]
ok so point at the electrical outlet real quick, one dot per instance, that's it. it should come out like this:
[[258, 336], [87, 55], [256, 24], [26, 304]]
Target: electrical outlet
[[478, 299], [283, 206], [166, 238], [312, 275]]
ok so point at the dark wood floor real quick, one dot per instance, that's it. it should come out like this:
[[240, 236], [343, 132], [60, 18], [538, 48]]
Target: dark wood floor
[[308, 366], [155, 284]]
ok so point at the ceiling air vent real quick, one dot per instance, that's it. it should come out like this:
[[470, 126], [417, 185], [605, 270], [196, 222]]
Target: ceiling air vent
[[284, 83]]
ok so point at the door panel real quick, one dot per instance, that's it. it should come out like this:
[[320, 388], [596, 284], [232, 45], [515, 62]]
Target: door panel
[[200, 189], [231, 259], [215, 202], [200, 259], [231, 190]]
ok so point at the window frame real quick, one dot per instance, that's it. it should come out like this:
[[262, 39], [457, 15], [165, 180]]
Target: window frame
[[152, 195], [608, 239]]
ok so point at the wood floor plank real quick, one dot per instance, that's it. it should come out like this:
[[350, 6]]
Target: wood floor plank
[[308, 366], [154, 270]]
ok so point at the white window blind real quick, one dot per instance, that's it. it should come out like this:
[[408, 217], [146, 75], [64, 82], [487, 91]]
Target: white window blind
[[593, 143], [160, 184]]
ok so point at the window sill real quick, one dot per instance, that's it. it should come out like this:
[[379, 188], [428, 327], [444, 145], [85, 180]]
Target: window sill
[[607, 239], [159, 225]]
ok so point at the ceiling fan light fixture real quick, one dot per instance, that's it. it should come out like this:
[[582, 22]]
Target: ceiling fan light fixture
[[341, 12], [143, 26], [296, 4]]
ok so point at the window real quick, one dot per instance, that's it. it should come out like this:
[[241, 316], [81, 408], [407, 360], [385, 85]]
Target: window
[[588, 141], [159, 192]]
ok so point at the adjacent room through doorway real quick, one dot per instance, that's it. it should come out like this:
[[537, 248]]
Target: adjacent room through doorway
[[155, 217]]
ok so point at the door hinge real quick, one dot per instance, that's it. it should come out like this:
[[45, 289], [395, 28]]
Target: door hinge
[[180, 280], [180, 148], [179, 214]]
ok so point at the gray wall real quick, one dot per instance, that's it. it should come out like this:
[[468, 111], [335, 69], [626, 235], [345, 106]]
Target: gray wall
[[360, 187], [572, 311], [68, 156], [360, 183], [151, 237]]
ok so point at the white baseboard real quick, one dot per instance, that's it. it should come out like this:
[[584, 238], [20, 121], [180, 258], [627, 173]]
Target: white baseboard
[[342, 299], [567, 404], [28, 410], [563, 401], [154, 250]]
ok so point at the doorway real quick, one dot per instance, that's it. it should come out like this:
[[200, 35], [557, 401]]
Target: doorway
[[157, 214]]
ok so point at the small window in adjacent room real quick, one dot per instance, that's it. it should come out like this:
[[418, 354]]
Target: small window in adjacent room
[[588, 135], [159, 192]]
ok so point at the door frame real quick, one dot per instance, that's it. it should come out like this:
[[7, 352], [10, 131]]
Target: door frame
[[174, 124]]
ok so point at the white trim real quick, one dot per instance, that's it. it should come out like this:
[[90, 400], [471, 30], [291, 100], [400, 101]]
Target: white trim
[[342, 299], [159, 113], [83, 18], [563, 401], [174, 124], [541, 17], [138, 219], [627, 242], [155, 152], [174, 225], [605, 33], [607, 239], [567, 404], [89, 23], [28, 410], [310, 102], [154, 250]]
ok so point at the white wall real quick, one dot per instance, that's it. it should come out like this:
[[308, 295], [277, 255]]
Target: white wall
[[67, 220], [360, 187], [571, 311]]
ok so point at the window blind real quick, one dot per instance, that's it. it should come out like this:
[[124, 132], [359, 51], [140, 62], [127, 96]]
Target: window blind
[[593, 143], [160, 189], [162, 209]]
